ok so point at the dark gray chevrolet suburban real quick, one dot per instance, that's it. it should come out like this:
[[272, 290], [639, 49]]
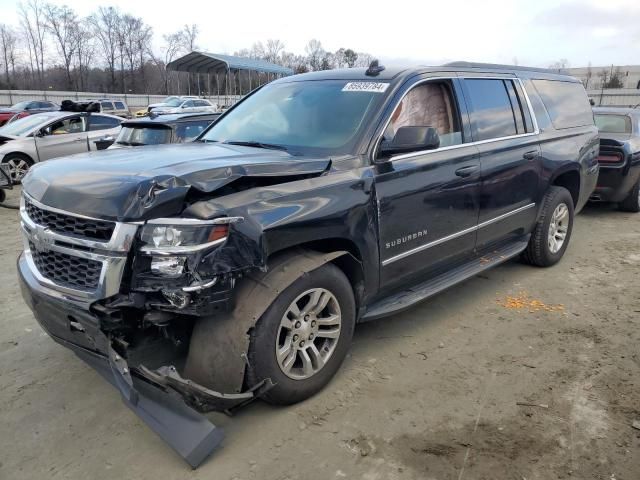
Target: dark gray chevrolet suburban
[[199, 277]]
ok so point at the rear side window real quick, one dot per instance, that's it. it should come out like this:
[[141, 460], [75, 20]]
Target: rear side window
[[566, 102], [98, 122], [107, 105], [187, 131], [613, 123], [496, 109], [120, 106]]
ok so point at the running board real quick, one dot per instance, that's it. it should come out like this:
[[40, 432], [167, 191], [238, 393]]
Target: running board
[[407, 298]]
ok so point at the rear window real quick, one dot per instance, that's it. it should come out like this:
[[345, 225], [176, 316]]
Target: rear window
[[566, 102], [137, 135], [613, 123]]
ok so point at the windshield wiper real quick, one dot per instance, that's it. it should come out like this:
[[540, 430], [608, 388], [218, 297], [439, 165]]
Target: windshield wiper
[[268, 146]]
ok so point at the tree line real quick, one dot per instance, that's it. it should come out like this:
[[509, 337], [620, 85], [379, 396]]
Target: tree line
[[53, 48]]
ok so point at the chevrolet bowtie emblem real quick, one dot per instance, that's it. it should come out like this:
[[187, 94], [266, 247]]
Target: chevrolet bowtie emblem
[[41, 239]]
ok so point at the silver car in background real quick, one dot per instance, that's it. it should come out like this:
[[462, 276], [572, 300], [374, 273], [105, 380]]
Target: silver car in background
[[188, 105], [53, 134]]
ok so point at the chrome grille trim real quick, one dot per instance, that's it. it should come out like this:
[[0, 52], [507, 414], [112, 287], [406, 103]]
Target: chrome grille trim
[[112, 254]]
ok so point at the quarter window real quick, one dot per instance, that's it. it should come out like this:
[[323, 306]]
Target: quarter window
[[492, 108], [107, 105], [99, 122], [429, 104], [566, 102]]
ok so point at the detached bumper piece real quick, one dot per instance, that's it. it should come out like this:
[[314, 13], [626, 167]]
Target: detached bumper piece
[[166, 402]]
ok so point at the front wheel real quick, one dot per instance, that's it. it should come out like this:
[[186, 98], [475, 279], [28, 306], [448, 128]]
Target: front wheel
[[552, 232], [18, 166], [632, 202], [303, 337]]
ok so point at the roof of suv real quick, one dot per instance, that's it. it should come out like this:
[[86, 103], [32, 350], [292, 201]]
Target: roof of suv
[[395, 73]]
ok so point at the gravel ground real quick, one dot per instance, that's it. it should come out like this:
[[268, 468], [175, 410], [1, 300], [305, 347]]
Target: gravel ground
[[431, 393]]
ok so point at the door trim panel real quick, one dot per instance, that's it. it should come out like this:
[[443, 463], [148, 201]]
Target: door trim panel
[[439, 241]]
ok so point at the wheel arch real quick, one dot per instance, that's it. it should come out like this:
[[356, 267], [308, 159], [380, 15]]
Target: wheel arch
[[568, 178]]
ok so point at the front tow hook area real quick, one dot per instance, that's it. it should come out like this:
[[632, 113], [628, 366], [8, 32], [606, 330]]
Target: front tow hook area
[[188, 432]]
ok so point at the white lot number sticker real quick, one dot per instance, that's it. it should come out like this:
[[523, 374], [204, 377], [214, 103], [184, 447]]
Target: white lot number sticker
[[377, 87]]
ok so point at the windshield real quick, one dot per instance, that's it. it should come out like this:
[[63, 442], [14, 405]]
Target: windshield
[[174, 102], [144, 135], [613, 123], [322, 117], [24, 126], [20, 106]]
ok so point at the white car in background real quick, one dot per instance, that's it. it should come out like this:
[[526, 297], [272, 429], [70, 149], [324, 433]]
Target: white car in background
[[189, 105], [170, 99], [43, 136]]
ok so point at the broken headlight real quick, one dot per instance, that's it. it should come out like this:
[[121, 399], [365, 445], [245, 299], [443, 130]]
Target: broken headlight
[[163, 238]]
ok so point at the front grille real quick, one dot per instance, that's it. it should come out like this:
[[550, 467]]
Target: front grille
[[69, 225], [66, 270]]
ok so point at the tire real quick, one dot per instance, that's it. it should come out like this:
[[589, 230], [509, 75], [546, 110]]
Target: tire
[[269, 335], [632, 202], [19, 165], [541, 251]]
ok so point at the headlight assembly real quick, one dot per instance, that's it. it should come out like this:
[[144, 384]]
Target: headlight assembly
[[184, 236]]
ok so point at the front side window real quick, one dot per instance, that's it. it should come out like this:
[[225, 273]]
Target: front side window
[[492, 114], [429, 104], [321, 117], [607, 123], [66, 126], [187, 131]]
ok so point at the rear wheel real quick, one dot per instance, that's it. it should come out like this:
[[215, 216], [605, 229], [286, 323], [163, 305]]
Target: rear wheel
[[632, 202], [19, 165], [303, 337], [552, 232]]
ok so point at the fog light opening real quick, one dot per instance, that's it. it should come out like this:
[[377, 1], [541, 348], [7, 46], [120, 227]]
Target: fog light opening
[[177, 299], [170, 267]]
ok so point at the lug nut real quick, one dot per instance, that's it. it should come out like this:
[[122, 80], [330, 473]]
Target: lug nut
[[295, 338], [306, 318], [311, 336], [298, 324], [313, 324], [302, 343]]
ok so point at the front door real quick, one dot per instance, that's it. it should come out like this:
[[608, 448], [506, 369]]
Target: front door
[[428, 200], [503, 128], [62, 137]]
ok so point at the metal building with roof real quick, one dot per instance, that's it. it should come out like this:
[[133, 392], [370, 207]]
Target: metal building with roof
[[230, 67]]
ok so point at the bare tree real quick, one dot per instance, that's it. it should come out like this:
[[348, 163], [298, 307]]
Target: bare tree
[[62, 23], [33, 24], [189, 36], [315, 54], [105, 23], [85, 50], [560, 64], [350, 57], [272, 50], [173, 44], [8, 41]]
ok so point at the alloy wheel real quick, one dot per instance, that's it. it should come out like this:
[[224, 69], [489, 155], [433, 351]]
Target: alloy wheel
[[308, 333], [558, 227], [18, 168]]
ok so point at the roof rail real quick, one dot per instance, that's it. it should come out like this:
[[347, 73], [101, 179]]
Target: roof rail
[[499, 66]]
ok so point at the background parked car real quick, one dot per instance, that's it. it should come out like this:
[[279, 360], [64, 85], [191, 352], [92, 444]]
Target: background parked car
[[53, 134], [113, 107], [22, 109], [619, 158], [188, 105], [157, 129]]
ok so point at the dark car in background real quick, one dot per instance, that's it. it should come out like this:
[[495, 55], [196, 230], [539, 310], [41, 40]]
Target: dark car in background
[[159, 129], [22, 109], [619, 180]]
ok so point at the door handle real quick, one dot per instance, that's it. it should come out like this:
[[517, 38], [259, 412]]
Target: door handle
[[80, 140], [467, 171], [532, 155]]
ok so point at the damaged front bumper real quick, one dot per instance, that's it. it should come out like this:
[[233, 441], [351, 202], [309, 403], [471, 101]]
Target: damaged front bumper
[[166, 402]]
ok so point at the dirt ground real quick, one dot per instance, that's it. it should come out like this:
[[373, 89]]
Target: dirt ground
[[431, 393]]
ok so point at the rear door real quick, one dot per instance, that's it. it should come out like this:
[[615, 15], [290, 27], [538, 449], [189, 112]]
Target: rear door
[[504, 131], [428, 200], [62, 137], [102, 131]]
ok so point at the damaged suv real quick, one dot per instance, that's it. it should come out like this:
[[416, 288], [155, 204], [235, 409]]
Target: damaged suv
[[199, 277]]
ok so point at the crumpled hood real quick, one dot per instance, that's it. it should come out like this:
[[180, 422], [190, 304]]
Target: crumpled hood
[[150, 182]]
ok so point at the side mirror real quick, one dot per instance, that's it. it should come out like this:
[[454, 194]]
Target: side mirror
[[412, 139]]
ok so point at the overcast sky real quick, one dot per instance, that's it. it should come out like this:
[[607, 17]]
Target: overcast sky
[[536, 32]]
